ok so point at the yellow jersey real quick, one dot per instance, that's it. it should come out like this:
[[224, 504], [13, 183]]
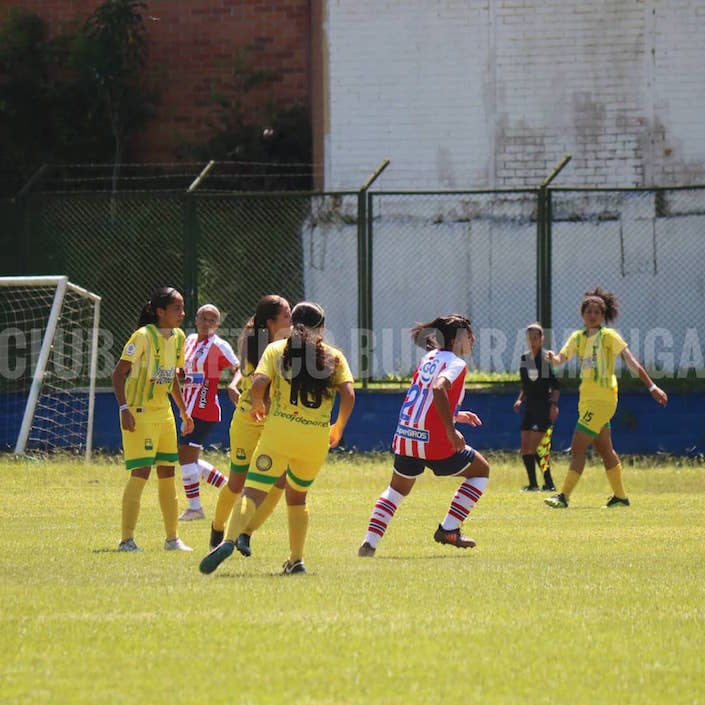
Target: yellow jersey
[[154, 361], [290, 410], [598, 356]]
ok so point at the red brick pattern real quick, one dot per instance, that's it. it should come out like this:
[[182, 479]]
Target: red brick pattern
[[193, 47]]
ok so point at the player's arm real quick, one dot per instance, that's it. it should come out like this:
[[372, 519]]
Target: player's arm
[[633, 364], [120, 374], [260, 383], [233, 391], [347, 402], [440, 398], [556, 359], [187, 421], [519, 399]]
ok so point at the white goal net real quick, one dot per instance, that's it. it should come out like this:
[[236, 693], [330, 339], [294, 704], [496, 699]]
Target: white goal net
[[48, 358]]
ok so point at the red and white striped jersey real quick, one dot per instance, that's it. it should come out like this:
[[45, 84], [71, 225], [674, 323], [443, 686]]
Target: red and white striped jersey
[[204, 361], [420, 431]]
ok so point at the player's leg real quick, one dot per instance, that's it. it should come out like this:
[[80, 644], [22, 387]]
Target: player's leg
[[264, 511], [406, 470], [188, 461], [613, 468], [530, 440], [476, 473], [138, 448], [166, 456]]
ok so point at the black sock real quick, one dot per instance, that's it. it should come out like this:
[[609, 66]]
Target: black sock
[[547, 479], [530, 465]]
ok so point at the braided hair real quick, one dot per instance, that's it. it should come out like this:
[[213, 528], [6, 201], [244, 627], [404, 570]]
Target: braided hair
[[306, 362]]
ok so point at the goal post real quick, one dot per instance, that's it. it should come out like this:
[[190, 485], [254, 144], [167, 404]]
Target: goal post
[[55, 393]]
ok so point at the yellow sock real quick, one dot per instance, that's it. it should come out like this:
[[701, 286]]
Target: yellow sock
[[241, 516], [264, 510], [131, 505], [614, 475], [571, 480], [297, 515], [224, 507], [169, 506]]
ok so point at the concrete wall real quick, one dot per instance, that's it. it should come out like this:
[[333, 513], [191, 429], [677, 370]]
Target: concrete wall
[[468, 93]]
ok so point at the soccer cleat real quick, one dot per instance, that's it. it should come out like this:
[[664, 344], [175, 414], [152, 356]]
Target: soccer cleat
[[530, 488], [192, 515], [616, 502], [242, 543], [453, 537], [548, 488], [176, 545], [292, 568], [558, 501], [216, 557], [216, 537], [367, 550], [128, 546]]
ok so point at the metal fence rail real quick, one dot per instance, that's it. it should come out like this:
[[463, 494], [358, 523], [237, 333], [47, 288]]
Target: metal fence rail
[[381, 261]]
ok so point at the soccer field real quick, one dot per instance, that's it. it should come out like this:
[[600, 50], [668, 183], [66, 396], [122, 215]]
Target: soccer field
[[574, 606]]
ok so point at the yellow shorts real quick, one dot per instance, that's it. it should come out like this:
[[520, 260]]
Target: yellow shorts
[[271, 458], [153, 442], [244, 434], [595, 414]]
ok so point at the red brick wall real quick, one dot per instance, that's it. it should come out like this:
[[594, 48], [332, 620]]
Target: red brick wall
[[193, 43]]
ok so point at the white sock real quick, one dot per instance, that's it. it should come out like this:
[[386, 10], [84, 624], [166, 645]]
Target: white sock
[[211, 475], [189, 474], [464, 499], [382, 514]]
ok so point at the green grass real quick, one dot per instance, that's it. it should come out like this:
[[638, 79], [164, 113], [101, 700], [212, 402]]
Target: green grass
[[578, 606]]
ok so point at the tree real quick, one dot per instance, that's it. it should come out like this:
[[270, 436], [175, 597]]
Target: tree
[[109, 55]]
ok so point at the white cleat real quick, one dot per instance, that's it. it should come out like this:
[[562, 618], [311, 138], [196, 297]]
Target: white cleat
[[176, 545], [192, 515]]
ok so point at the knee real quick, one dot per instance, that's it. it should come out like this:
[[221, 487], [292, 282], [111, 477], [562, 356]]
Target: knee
[[480, 467]]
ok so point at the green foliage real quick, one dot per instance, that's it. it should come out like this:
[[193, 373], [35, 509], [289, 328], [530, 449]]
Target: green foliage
[[585, 605], [248, 128]]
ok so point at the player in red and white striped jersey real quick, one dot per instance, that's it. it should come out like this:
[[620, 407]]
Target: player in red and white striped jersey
[[426, 435], [206, 356]]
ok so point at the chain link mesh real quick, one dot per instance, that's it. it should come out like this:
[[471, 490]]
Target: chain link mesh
[[434, 254], [431, 253], [648, 248]]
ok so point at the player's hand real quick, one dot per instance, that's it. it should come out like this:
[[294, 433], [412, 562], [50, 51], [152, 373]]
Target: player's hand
[[258, 411], [468, 418], [234, 395], [335, 436], [127, 420], [660, 396], [517, 406], [551, 356], [186, 424], [458, 440], [553, 413]]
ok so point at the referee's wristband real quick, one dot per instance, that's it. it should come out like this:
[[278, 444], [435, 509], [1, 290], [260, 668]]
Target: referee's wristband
[[123, 407], [653, 386]]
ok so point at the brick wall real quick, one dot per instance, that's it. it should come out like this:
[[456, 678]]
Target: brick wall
[[463, 93], [193, 46]]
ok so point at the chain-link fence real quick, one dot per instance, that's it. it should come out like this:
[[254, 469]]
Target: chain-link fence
[[380, 262]]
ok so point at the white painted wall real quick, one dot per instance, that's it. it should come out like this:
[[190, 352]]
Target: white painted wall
[[492, 93]]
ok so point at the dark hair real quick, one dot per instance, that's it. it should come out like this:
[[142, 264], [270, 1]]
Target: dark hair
[[255, 335], [605, 299], [306, 363], [440, 333], [161, 298]]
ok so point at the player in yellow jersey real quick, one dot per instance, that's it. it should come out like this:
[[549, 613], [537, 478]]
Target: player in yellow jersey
[[597, 347], [303, 374], [271, 321], [143, 379]]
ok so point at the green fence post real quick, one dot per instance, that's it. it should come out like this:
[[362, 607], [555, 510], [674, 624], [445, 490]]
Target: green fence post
[[544, 246], [364, 274]]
